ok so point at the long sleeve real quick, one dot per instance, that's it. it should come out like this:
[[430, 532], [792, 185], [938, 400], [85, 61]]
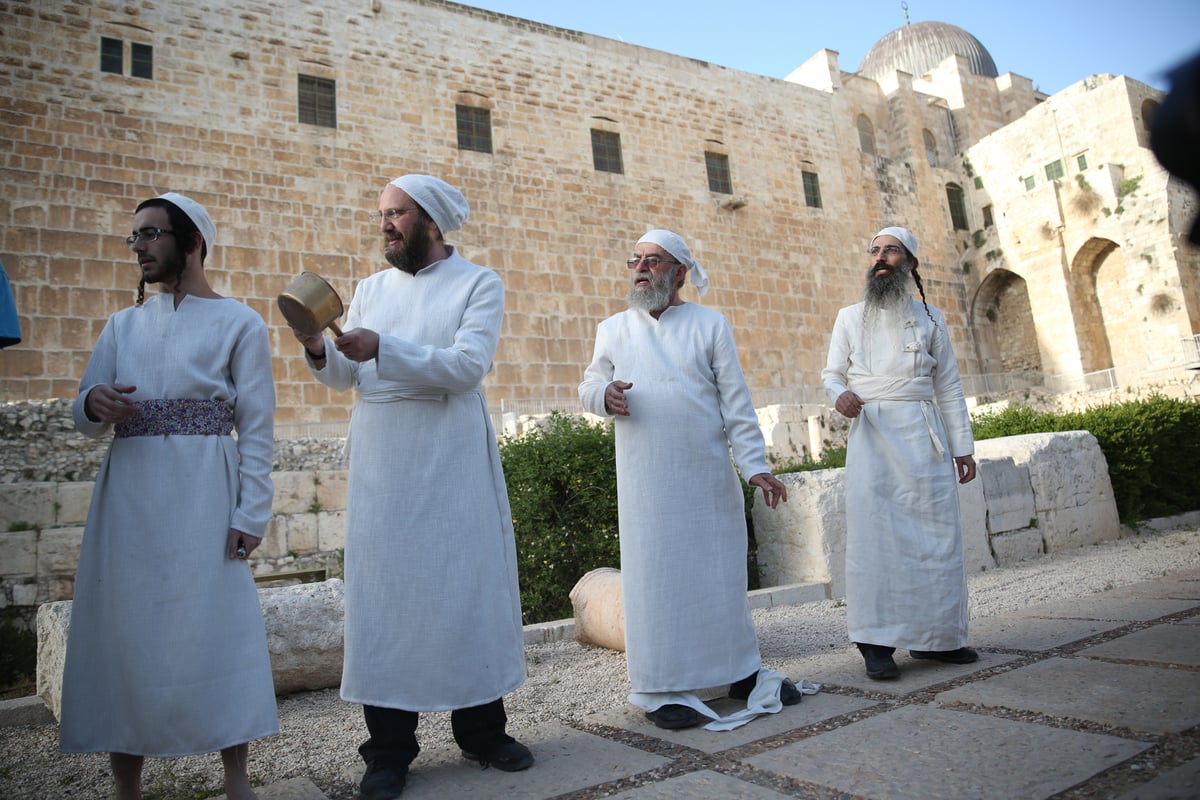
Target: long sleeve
[[948, 391], [598, 375], [254, 419], [737, 406]]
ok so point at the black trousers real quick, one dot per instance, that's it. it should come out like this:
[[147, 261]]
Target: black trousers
[[393, 732]]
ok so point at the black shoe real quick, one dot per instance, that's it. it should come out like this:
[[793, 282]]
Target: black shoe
[[673, 717], [880, 664], [382, 782], [963, 655], [504, 753], [789, 695]]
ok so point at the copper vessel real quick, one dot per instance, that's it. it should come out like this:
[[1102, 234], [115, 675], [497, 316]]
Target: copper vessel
[[310, 305]]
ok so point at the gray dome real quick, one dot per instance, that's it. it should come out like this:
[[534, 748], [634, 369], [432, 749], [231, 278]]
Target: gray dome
[[921, 46]]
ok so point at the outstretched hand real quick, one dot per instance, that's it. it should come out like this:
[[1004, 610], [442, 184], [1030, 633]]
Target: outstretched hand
[[772, 488]]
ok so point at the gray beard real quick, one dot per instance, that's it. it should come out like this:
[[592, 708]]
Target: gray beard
[[889, 292], [653, 298]]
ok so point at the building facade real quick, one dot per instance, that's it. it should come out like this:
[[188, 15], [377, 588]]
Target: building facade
[[287, 118]]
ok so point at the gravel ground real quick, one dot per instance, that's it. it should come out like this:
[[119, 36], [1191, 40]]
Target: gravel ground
[[320, 734]]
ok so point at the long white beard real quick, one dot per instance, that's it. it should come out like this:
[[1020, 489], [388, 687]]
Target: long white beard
[[654, 297]]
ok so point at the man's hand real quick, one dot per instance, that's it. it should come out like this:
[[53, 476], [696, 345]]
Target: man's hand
[[964, 468], [239, 545], [313, 343], [772, 488], [848, 404], [614, 398], [359, 344], [107, 403]]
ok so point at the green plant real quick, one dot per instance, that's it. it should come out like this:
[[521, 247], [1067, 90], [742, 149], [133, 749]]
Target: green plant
[[562, 487], [979, 239], [18, 651], [20, 525], [1152, 447]]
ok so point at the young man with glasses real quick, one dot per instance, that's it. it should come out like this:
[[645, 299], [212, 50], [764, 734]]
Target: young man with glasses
[[167, 651], [433, 614], [892, 372], [667, 373]]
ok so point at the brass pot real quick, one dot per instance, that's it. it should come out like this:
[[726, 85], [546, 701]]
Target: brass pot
[[310, 305]]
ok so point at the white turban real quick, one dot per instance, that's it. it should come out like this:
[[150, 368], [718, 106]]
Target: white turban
[[196, 213], [673, 243], [903, 234], [441, 201]]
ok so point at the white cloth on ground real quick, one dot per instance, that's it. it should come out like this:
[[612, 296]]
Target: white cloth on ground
[[763, 699]]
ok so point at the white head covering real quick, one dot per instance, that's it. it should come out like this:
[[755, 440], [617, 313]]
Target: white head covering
[[903, 234], [673, 243], [196, 213], [441, 201]]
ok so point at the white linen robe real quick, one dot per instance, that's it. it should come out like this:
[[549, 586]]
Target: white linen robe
[[433, 612], [681, 508], [167, 652], [905, 574]]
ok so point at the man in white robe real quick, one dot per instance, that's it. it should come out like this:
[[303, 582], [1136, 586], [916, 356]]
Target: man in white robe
[[433, 613], [167, 651], [668, 373], [892, 371]]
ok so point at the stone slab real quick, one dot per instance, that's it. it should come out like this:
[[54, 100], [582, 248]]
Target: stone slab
[[566, 760], [1181, 783], [1143, 698], [701, 785], [1021, 633], [1165, 644], [844, 667], [1170, 589], [30, 710], [930, 752], [291, 789], [1132, 609], [812, 709]]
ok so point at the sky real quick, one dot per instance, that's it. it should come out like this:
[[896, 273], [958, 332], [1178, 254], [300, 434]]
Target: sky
[[1054, 43]]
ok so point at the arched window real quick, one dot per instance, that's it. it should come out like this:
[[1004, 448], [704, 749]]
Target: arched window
[[931, 154], [1149, 107], [958, 206], [866, 135]]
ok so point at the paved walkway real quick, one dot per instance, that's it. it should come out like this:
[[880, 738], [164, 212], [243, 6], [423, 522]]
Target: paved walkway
[[1085, 698]]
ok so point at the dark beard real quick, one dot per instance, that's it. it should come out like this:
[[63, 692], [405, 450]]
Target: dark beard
[[890, 291], [655, 297], [411, 255]]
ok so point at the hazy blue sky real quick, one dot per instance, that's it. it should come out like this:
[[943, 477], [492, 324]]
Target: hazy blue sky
[[1052, 42]]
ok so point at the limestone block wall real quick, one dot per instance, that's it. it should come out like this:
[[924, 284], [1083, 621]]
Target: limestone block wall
[[41, 531], [1034, 494]]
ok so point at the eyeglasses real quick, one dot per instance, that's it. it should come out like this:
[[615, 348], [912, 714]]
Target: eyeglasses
[[392, 214], [887, 250], [146, 235], [650, 261]]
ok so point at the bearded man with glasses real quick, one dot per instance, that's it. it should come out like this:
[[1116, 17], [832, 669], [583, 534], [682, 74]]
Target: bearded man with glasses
[[892, 371], [666, 371]]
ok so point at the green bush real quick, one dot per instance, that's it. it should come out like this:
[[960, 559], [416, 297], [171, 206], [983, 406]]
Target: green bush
[[562, 485], [1152, 448]]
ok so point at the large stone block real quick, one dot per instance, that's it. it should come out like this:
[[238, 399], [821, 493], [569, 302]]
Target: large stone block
[[804, 539], [58, 551], [598, 604], [972, 514], [18, 554], [74, 500], [27, 505], [304, 626], [1073, 497]]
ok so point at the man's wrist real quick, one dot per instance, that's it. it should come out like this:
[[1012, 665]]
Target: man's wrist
[[315, 356]]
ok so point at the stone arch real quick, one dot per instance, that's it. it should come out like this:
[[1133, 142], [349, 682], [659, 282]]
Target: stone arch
[[1149, 107], [1002, 319], [931, 151], [866, 135], [1097, 294]]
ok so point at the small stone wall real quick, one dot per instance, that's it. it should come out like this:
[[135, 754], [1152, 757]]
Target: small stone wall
[[1034, 494]]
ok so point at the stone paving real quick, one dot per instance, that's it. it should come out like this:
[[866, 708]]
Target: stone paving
[[1084, 698]]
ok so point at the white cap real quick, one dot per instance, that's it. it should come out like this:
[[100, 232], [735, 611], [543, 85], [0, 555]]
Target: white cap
[[445, 205], [196, 213], [903, 234]]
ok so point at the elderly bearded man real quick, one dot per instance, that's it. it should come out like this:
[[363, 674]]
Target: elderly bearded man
[[889, 361], [433, 614], [668, 373]]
